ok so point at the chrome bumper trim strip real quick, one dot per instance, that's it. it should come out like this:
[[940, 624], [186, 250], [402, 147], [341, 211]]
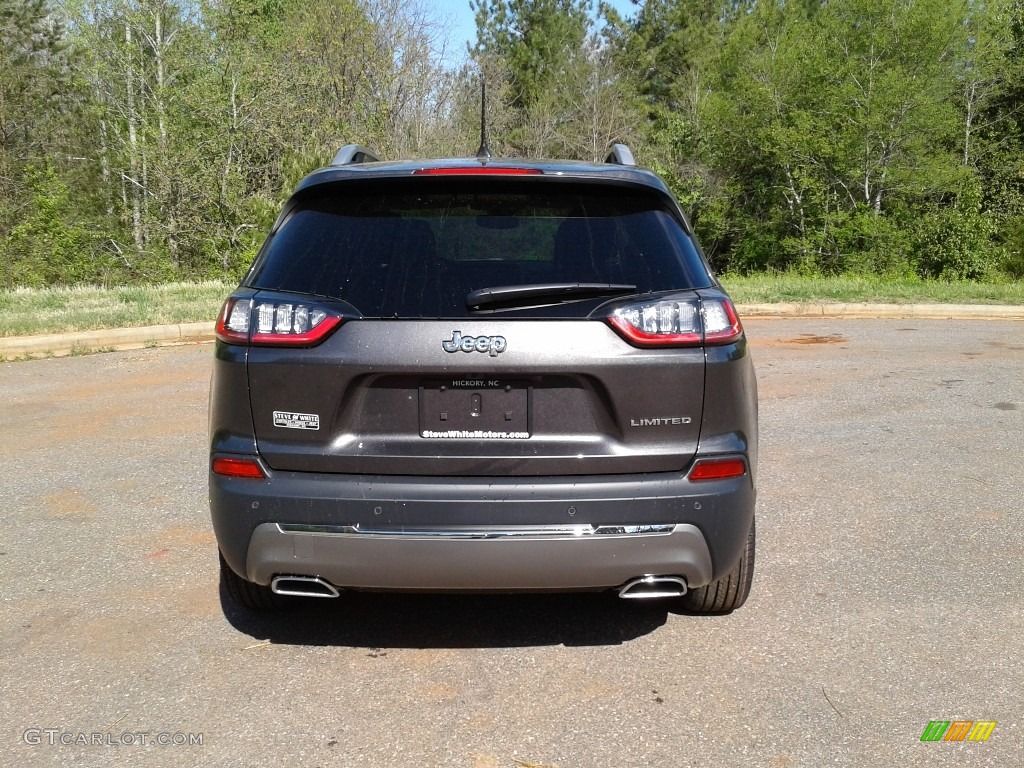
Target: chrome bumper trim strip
[[482, 532]]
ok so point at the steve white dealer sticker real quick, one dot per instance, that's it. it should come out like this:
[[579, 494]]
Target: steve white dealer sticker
[[290, 420]]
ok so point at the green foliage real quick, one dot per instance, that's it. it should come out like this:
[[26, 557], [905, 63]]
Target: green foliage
[[827, 137], [47, 247], [865, 243], [559, 91], [764, 287], [151, 140], [955, 244], [28, 311], [181, 127], [35, 96], [539, 42], [1013, 253]]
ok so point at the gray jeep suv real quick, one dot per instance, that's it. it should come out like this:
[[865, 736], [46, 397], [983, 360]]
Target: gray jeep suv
[[483, 375]]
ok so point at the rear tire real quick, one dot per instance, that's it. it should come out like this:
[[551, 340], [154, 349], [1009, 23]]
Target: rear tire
[[729, 592], [254, 597]]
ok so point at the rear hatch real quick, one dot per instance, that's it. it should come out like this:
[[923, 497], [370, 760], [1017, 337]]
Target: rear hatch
[[479, 330]]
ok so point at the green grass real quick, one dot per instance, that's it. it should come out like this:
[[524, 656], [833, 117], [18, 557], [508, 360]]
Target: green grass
[[770, 288], [24, 312]]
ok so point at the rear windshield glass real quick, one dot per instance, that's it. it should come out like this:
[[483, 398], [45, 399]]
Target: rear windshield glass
[[417, 251]]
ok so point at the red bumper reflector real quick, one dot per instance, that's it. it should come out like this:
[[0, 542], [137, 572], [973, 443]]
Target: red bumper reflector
[[249, 468], [718, 469]]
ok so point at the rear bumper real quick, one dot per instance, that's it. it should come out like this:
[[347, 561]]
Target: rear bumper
[[439, 560], [497, 533]]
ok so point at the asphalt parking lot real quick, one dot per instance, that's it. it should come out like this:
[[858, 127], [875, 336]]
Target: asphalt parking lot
[[888, 591]]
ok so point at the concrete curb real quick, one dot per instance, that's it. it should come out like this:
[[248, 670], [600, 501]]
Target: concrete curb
[[60, 344], [80, 342]]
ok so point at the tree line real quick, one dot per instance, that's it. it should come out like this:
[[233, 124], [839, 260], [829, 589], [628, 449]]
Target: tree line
[[155, 140]]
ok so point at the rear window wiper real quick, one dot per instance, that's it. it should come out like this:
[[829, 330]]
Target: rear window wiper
[[508, 296]]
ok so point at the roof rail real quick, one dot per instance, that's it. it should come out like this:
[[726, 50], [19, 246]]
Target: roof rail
[[620, 154], [352, 154]]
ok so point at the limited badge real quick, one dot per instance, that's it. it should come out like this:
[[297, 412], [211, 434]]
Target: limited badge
[[289, 420]]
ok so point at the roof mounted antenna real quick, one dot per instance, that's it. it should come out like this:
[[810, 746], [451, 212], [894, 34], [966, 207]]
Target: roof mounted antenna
[[484, 153]]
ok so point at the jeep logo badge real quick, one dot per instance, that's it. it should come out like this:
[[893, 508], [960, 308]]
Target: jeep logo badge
[[492, 345]]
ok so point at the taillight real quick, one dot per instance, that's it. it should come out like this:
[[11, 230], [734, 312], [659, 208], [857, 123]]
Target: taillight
[[659, 323], [245, 468], [721, 323], [277, 323], [677, 323], [233, 323], [717, 469]]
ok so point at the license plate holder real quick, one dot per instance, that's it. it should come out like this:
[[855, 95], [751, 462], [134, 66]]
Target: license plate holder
[[475, 409]]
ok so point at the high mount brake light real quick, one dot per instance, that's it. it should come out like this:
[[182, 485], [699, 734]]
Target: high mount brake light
[[717, 469], [478, 170], [677, 323], [275, 323]]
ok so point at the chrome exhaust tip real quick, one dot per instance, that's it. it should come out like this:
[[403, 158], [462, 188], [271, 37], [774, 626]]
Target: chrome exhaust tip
[[303, 586], [650, 587]]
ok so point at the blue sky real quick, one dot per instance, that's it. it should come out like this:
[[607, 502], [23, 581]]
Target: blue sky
[[463, 27]]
